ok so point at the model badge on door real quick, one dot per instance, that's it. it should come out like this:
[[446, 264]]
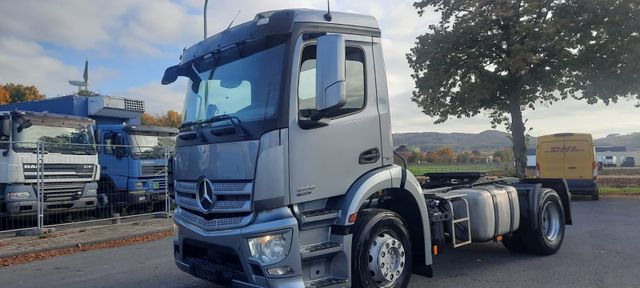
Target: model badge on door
[[305, 190]]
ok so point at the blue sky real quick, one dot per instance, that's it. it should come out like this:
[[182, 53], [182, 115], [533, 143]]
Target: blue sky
[[129, 43]]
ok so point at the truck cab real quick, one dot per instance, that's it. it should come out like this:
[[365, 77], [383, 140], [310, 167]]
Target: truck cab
[[133, 160], [284, 167], [132, 156], [68, 163]]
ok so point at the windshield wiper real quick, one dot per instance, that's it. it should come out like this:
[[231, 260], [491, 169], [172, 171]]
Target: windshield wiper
[[235, 121]]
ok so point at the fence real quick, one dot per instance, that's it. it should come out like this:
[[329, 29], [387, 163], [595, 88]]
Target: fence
[[49, 184], [421, 169]]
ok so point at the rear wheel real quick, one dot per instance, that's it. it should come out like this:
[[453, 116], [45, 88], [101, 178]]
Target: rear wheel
[[548, 237], [381, 253]]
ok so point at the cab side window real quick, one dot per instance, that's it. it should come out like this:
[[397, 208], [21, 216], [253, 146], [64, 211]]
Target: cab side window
[[108, 143], [355, 82]]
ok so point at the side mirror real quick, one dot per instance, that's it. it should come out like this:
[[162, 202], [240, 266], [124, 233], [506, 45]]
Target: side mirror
[[120, 152], [330, 74], [24, 125], [5, 128], [170, 75]]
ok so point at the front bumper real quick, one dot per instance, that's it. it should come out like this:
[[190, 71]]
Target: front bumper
[[145, 190], [222, 256], [143, 197], [582, 187], [29, 207]]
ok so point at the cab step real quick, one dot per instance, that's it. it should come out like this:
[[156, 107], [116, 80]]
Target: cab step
[[328, 283], [317, 218], [319, 250]]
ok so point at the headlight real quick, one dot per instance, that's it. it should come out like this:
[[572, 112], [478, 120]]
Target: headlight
[[18, 195], [270, 248]]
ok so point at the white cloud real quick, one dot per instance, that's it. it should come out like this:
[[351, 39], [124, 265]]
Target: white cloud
[[27, 62], [149, 28], [82, 25], [158, 99]]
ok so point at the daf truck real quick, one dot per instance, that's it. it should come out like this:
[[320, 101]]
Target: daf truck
[[132, 156], [284, 167], [68, 166]]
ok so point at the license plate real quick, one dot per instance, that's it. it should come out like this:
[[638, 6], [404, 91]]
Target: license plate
[[142, 198]]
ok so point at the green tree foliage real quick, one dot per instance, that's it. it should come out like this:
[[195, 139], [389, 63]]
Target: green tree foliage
[[443, 155], [170, 119], [415, 157], [464, 157], [21, 93], [501, 57], [87, 92], [148, 119], [4, 96], [503, 156]]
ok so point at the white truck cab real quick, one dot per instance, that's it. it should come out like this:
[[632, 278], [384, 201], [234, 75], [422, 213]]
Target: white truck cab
[[69, 163]]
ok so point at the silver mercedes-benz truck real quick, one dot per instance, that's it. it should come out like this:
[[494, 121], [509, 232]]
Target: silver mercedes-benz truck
[[69, 163], [284, 167]]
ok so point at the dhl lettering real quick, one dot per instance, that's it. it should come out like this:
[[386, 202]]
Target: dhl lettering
[[559, 149]]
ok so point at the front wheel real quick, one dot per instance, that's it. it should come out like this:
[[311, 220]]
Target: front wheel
[[381, 253]]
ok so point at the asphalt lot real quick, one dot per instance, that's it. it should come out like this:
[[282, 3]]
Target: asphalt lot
[[600, 250]]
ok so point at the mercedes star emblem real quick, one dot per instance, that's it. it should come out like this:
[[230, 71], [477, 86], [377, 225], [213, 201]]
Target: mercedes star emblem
[[204, 195]]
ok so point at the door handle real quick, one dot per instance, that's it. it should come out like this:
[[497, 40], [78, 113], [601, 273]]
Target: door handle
[[369, 156]]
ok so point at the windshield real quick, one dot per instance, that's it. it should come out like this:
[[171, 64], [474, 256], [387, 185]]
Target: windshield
[[150, 145], [243, 82], [73, 140]]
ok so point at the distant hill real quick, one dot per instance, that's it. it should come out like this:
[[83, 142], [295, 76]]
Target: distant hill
[[491, 140], [631, 141], [484, 141]]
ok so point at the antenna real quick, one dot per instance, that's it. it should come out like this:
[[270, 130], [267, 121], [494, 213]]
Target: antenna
[[205, 18], [328, 16], [82, 84], [234, 19]]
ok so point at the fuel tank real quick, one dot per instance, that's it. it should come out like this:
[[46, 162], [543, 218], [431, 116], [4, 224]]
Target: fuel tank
[[494, 210]]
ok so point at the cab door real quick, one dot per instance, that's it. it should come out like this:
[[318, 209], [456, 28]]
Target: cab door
[[113, 158], [325, 161]]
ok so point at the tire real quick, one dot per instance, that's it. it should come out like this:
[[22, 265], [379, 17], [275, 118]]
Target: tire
[[548, 237], [380, 237]]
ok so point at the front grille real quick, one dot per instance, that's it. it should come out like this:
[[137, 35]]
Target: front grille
[[232, 208], [59, 171], [223, 186], [162, 185], [61, 191], [152, 170]]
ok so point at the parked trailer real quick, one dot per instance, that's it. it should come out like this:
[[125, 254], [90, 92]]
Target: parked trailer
[[285, 175], [132, 155]]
